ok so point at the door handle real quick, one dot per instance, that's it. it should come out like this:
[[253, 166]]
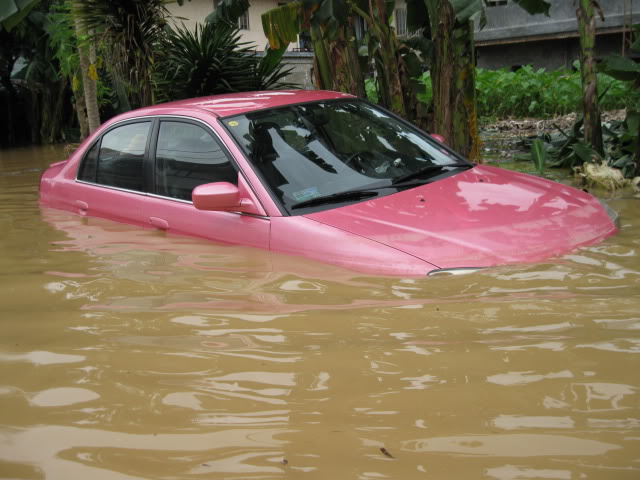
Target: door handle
[[159, 223], [81, 206]]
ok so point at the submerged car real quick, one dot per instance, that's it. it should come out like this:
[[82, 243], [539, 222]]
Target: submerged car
[[322, 175]]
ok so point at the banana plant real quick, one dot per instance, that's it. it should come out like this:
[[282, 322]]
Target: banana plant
[[12, 12], [586, 15], [623, 68], [129, 30], [339, 61], [449, 24], [330, 24]]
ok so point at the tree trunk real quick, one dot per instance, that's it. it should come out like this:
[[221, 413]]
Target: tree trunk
[[89, 84], [453, 80], [637, 155], [322, 70], [52, 98], [390, 92], [465, 119], [10, 96], [7, 62], [78, 103], [347, 76], [336, 63], [591, 109]]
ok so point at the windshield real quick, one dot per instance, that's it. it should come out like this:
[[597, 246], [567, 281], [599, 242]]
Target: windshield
[[315, 150]]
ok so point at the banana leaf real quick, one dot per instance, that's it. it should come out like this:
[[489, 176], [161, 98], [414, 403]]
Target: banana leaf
[[621, 68], [228, 10], [282, 25]]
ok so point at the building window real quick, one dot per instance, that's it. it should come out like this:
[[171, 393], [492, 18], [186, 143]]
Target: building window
[[496, 3], [401, 21], [360, 26], [243, 21]]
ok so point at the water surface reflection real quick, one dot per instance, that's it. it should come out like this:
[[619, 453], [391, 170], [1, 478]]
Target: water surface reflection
[[128, 354]]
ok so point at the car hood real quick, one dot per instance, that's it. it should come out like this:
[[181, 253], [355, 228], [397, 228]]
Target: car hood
[[481, 217]]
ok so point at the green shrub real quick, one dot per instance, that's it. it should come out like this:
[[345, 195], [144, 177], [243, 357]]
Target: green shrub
[[539, 93], [211, 60]]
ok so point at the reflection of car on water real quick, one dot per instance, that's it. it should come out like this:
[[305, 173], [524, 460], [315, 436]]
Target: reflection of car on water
[[322, 175]]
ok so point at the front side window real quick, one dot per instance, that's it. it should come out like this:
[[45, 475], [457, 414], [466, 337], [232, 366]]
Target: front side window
[[121, 156], [187, 156], [314, 150]]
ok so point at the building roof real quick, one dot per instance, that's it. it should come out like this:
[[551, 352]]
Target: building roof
[[507, 23]]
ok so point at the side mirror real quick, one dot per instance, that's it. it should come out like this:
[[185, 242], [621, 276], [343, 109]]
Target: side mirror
[[437, 137], [220, 196]]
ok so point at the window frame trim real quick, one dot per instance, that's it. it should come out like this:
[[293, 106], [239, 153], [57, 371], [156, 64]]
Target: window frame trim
[[149, 163], [151, 190], [98, 142], [240, 27]]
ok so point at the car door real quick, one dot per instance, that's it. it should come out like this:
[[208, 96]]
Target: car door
[[110, 181], [184, 154]]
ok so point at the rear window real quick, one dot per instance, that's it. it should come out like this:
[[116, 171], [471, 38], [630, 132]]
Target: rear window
[[119, 160]]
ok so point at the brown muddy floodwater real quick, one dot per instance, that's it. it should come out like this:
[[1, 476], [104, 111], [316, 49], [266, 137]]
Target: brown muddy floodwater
[[126, 354]]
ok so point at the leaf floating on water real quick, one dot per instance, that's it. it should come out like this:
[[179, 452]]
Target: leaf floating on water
[[384, 450]]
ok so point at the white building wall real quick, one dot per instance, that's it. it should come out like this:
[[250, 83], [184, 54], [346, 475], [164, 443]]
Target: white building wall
[[195, 11]]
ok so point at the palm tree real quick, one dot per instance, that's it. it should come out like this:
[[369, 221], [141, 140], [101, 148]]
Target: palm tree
[[129, 31]]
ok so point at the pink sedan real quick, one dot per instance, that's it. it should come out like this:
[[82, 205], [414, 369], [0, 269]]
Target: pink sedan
[[322, 175]]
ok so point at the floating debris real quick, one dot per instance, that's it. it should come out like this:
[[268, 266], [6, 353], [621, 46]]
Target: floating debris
[[384, 450]]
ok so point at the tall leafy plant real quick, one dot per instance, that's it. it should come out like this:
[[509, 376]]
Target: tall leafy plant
[[625, 69], [586, 14], [331, 27], [64, 41], [449, 24], [129, 31], [212, 59]]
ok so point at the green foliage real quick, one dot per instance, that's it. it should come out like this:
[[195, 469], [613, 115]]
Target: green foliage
[[12, 12], [211, 60], [228, 11], [281, 25], [622, 68], [539, 155], [540, 93], [427, 96], [128, 32], [371, 89], [569, 150], [535, 93], [62, 37]]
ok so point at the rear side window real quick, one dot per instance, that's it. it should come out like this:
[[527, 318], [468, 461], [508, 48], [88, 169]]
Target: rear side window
[[187, 156], [120, 160], [88, 168]]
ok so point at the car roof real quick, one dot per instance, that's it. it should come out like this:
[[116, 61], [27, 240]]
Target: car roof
[[238, 103]]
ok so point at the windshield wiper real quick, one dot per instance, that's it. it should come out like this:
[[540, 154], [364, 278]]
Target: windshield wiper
[[426, 170], [337, 197]]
